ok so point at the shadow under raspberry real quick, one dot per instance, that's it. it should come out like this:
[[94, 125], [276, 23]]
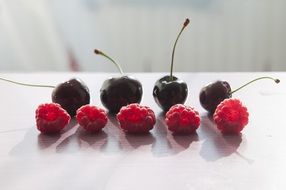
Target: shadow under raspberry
[[166, 142], [216, 145], [95, 141]]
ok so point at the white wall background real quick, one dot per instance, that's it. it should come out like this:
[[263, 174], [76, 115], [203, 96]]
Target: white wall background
[[224, 35]]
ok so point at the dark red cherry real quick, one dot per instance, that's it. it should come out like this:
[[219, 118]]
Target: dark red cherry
[[71, 95], [214, 93], [120, 91], [169, 92]]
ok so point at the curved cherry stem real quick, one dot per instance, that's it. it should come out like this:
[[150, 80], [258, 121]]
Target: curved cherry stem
[[275, 80], [98, 52], [187, 21], [25, 84]]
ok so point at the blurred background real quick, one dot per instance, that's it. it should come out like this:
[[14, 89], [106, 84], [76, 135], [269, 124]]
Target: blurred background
[[224, 35]]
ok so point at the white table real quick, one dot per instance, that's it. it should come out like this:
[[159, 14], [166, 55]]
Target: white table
[[112, 160]]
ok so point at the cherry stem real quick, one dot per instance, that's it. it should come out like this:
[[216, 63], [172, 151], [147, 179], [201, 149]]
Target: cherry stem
[[98, 52], [187, 21], [25, 84], [275, 80]]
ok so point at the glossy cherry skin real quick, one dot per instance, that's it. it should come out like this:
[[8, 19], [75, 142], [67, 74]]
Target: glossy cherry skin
[[71, 95], [120, 91], [213, 94], [167, 92]]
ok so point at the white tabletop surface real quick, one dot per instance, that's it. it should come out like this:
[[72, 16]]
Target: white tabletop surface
[[112, 160]]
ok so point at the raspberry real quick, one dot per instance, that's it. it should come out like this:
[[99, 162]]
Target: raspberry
[[182, 119], [231, 116], [51, 118], [91, 118], [135, 118]]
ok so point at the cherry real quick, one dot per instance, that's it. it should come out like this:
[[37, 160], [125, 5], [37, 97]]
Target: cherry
[[119, 91], [214, 93], [169, 90], [71, 94]]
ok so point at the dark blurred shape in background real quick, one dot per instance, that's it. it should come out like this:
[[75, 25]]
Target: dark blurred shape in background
[[224, 35]]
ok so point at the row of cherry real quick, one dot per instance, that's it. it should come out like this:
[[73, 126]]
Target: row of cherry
[[72, 98]]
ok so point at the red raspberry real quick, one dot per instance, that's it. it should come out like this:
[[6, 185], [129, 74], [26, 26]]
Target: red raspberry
[[182, 119], [51, 118], [91, 118], [135, 118], [231, 116]]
